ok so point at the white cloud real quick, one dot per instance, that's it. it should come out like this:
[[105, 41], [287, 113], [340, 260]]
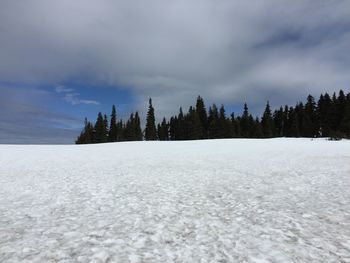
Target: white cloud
[[62, 89], [73, 97]]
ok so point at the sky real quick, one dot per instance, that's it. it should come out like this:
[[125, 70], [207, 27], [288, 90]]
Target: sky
[[62, 61]]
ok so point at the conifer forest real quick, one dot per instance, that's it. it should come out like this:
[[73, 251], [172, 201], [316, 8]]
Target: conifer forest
[[327, 117]]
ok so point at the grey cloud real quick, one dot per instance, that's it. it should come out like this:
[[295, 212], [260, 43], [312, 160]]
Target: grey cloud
[[227, 51]]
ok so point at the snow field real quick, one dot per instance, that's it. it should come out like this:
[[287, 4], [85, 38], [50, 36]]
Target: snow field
[[278, 200]]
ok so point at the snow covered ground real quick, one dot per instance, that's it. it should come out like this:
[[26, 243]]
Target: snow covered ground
[[278, 200]]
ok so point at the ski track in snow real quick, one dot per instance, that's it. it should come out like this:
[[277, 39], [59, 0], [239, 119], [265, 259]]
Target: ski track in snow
[[278, 200]]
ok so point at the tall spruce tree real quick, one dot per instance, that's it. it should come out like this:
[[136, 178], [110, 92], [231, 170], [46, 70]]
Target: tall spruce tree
[[310, 127], [224, 124], [150, 131], [105, 126], [193, 125], [202, 114], [137, 127], [345, 122], [268, 127], [214, 125], [100, 135], [163, 130], [245, 122], [86, 135], [113, 132], [323, 109], [279, 122]]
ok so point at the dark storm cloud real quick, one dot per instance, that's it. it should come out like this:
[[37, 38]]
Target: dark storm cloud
[[227, 51]]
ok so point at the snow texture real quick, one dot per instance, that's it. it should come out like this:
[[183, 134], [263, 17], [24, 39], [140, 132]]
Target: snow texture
[[278, 200]]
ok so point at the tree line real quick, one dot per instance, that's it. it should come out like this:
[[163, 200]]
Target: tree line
[[328, 117]]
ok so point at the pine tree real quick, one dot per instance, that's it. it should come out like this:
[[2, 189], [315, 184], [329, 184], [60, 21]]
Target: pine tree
[[137, 127], [245, 122], [279, 122], [202, 114], [129, 132], [181, 129], [294, 123], [105, 126], [323, 111], [267, 123], [112, 136], [163, 130], [224, 124], [340, 109], [150, 131], [213, 119], [86, 135], [193, 125], [345, 122], [121, 131], [286, 122], [100, 130], [310, 125], [257, 129], [173, 126]]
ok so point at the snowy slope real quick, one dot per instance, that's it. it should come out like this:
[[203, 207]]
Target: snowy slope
[[278, 200]]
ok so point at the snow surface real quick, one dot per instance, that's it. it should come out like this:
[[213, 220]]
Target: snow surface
[[278, 200]]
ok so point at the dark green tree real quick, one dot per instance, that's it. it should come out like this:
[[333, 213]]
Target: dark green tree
[[278, 119], [245, 122], [310, 127], [202, 114], [86, 135], [214, 122], [267, 123], [193, 125], [113, 131], [150, 131], [163, 130], [100, 135], [345, 122]]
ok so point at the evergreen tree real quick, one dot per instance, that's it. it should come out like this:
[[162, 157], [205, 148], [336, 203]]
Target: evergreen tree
[[333, 114], [245, 122], [112, 136], [257, 131], [286, 122], [340, 109], [130, 131], [86, 135], [278, 119], [121, 131], [150, 131], [203, 117], [224, 124], [310, 125], [105, 126], [137, 127], [267, 123], [163, 130], [100, 135], [173, 127], [181, 129], [294, 123], [213, 119], [193, 125], [345, 122], [323, 109]]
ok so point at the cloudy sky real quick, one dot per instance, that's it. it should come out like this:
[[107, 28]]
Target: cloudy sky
[[63, 60]]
